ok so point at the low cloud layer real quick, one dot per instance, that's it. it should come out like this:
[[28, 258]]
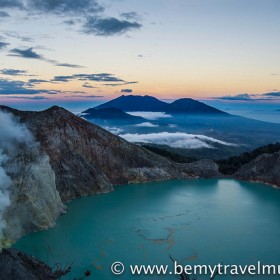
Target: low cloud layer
[[146, 124], [175, 140], [114, 130], [150, 115]]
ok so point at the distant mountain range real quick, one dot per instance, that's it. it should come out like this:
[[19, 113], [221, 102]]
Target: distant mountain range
[[141, 115], [132, 103]]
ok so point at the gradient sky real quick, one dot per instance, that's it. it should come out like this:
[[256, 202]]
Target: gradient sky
[[166, 48]]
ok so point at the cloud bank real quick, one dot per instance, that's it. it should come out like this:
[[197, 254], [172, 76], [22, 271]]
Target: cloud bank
[[175, 140], [150, 115], [146, 124], [114, 130]]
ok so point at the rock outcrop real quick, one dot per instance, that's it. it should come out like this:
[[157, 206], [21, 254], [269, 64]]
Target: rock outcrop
[[265, 169], [16, 265], [203, 169]]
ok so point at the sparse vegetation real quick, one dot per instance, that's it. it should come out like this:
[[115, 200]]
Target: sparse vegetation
[[170, 155], [231, 165]]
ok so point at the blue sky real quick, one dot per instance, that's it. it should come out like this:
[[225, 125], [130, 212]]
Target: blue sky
[[91, 50]]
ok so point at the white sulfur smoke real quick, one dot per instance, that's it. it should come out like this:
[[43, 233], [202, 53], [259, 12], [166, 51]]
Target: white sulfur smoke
[[12, 135], [5, 183]]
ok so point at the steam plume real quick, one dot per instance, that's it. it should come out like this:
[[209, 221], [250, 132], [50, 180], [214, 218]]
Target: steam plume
[[12, 136]]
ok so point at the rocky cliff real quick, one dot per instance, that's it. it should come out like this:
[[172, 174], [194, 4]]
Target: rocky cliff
[[35, 201], [265, 169], [87, 159], [29, 199]]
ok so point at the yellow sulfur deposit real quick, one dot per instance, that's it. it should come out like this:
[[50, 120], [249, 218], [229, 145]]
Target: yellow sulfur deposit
[[5, 242]]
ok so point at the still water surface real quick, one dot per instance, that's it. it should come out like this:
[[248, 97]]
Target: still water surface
[[196, 221]]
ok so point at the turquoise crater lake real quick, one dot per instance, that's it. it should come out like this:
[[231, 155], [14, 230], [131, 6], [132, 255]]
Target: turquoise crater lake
[[196, 221]]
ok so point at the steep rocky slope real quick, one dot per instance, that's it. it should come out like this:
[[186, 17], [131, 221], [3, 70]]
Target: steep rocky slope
[[29, 199], [87, 159], [265, 169], [35, 201]]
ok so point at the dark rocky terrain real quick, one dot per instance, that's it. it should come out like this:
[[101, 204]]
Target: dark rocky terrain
[[233, 164], [15, 265], [265, 169]]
